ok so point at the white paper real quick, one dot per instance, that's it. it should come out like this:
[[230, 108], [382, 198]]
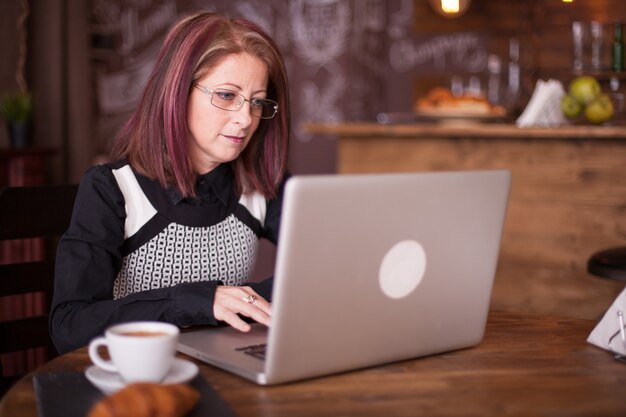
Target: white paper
[[544, 107], [607, 334]]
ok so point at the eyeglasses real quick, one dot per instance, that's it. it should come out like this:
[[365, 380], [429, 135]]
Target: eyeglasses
[[232, 101]]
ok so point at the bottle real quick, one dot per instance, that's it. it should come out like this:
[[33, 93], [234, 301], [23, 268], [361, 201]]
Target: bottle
[[514, 76], [596, 45], [493, 84], [618, 48]]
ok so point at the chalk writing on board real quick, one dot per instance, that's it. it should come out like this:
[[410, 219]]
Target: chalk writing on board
[[461, 51], [320, 29], [400, 20], [139, 26], [120, 91], [260, 13], [137, 32]]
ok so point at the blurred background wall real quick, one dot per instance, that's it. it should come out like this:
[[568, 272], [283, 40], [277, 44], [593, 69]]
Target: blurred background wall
[[87, 63]]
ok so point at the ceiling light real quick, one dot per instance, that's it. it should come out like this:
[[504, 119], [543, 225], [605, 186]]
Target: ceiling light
[[450, 8]]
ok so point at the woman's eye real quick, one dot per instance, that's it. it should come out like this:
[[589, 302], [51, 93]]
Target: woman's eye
[[258, 102], [226, 95]]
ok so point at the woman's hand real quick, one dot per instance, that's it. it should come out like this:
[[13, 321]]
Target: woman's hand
[[233, 300]]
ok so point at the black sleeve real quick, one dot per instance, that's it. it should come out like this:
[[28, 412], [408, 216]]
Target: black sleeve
[[88, 260]]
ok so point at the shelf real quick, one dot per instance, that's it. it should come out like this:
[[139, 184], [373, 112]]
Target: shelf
[[602, 75]]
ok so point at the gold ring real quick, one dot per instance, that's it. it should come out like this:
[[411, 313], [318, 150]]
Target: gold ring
[[249, 298]]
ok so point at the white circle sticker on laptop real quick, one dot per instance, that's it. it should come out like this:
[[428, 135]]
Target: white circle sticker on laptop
[[402, 269]]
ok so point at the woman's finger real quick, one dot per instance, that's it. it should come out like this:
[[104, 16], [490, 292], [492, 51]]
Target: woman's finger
[[234, 321], [231, 301], [251, 297]]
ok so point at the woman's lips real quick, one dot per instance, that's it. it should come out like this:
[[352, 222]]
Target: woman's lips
[[234, 139]]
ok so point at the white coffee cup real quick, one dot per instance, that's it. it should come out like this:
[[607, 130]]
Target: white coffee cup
[[141, 351]]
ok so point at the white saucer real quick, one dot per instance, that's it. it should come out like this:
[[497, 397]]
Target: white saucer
[[109, 382]]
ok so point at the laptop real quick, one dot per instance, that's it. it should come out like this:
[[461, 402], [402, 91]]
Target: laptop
[[370, 269]]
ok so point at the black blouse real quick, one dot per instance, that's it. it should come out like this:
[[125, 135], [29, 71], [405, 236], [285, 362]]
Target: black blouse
[[146, 253]]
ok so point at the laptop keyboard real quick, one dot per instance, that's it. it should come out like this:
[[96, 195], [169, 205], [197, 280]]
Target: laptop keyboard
[[258, 351]]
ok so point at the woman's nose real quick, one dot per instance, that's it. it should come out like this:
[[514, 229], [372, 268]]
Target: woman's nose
[[243, 116]]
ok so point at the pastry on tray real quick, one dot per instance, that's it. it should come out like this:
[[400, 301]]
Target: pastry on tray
[[441, 102], [149, 400]]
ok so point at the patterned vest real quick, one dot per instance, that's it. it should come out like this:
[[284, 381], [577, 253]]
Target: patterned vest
[[169, 253]]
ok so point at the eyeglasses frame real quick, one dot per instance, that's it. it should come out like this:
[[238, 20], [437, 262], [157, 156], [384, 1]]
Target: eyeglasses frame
[[211, 92]]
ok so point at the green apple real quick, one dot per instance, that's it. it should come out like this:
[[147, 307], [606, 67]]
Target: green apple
[[600, 109], [584, 88], [571, 107]]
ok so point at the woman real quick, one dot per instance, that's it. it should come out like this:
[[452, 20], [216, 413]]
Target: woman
[[169, 231]]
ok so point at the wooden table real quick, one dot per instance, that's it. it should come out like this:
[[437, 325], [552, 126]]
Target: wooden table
[[526, 366]]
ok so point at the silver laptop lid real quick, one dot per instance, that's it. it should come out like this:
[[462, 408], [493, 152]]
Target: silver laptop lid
[[382, 267]]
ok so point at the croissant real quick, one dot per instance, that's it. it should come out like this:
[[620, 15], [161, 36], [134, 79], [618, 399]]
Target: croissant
[[147, 399]]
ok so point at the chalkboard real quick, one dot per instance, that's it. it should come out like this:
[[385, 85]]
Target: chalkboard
[[440, 53]]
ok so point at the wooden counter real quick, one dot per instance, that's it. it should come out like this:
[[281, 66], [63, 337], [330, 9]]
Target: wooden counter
[[568, 198], [464, 130]]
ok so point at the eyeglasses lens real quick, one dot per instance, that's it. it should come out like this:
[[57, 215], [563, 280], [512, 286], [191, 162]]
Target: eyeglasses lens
[[232, 101]]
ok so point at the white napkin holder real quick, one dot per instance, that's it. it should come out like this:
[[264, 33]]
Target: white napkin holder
[[610, 332], [544, 107]]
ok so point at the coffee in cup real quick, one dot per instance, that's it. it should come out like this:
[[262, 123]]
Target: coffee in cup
[[141, 351]]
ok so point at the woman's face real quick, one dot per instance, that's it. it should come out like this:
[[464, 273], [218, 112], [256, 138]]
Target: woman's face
[[216, 135]]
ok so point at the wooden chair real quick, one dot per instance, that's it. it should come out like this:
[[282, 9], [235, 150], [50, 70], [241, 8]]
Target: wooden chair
[[31, 222]]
